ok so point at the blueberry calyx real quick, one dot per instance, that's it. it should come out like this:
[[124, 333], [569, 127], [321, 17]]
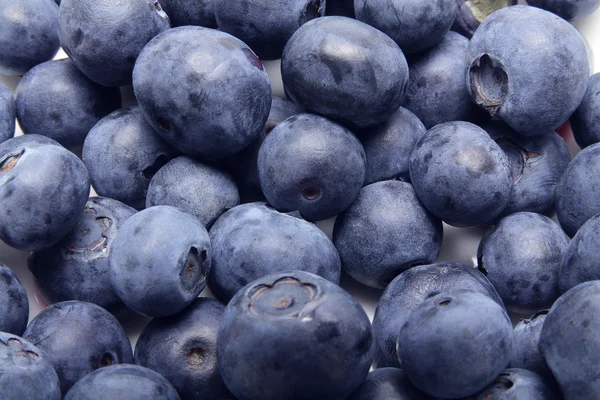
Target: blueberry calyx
[[488, 81]]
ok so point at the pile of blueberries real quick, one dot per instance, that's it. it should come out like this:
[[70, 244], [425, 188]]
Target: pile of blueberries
[[400, 115]]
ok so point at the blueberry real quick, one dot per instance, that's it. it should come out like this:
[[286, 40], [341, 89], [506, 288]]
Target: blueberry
[[159, 261], [408, 290], [569, 341], [8, 114], [222, 95], [253, 240], [122, 153], [388, 146], [43, 188], [104, 38], [529, 88], [537, 163], [28, 34], [190, 12], [567, 9], [183, 349], [525, 352], [294, 336], [455, 344], [414, 24], [78, 338], [460, 174], [76, 268], [26, 372], [577, 191], [384, 232], [471, 14], [344, 8], [437, 91], [585, 121], [265, 25], [517, 384], [243, 165], [14, 305], [202, 190], [579, 263], [346, 70], [312, 165], [123, 382], [387, 384]]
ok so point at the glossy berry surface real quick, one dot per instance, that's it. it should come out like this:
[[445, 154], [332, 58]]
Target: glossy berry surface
[[579, 263], [517, 384], [525, 352]]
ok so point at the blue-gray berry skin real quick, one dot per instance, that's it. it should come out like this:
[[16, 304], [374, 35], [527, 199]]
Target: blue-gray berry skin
[[445, 331], [104, 38], [223, 93], [569, 341], [343, 8], [527, 89], [265, 25], [14, 305], [460, 174], [28, 34], [43, 188], [200, 189], [415, 25], [580, 261], [190, 12], [76, 268], [27, 373], [122, 153], [470, 14], [567, 9], [577, 192], [385, 232], [78, 338], [160, 260], [56, 100], [388, 146], [585, 121], [517, 384], [254, 240], [8, 114], [537, 164], [311, 165], [521, 256], [345, 70], [388, 384], [525, 352], [183, 349], [123, 382], [408, 290], [437, 91], [294, 336]]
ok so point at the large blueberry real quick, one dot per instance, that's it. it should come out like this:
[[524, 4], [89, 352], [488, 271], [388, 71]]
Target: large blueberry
[[76, 268], [123, 382], [104, 38], [26, 372], [525, 352], [213, 96], [387, 384], [311, 165], [200, 189], [346, 70], [122, 153], [570, 344], [585, 121], [294, 336], [78, 338], [8, 114], [471, 14], [14, 305], [567, 9], [408, 290], [437, 91], [384, 232], [183, 349], [414, 24], [190, 12], [460, 174], [266, 25], [43, 188], [455, 343], [578, 191], [388, 146], [580, 261], [55, 99], [28, 34], [517, 384], [254, 240], [528, 89], [159, 261], [537, 163]]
